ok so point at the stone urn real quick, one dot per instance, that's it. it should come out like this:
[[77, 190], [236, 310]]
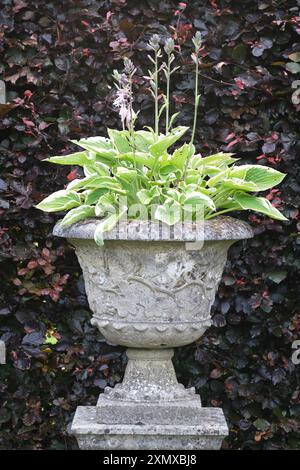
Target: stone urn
[[151, 288]]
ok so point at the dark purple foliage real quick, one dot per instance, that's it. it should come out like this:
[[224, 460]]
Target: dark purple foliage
[[57, 59]]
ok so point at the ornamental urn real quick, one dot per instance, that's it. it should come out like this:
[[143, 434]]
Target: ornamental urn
[[151, 288]]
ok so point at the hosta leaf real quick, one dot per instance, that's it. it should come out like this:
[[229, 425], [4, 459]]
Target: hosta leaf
[[147, 137], [210, 170], [228, 203], [108, 159], [238, 171], [77, 158], [174, 194], [197, 198], [127, 177], [106, 225], [127, 174], [193, 177], [215, 180], [169, 177], [264, 177], [208, 191], [147, 195], [100, 149], [180, 155], [164, 142], [96, 182], [167, 169], [77, 214], [101, 168], [129, 181], [258, 204], [142, 141], [88, 170], [170, 214], [108, 202], [236, 183], [120, 139], [92, 196], [60, 201], [96, 144], [218, 159], [137, 157]]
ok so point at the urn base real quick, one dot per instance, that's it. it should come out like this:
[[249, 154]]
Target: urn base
[[149, 410], [206, 435]]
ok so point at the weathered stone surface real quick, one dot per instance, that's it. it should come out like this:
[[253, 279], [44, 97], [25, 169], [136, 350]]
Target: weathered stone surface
[[151, 294], [149, 289], [149, 393], [207, 434], [149, 376], [2, 352]]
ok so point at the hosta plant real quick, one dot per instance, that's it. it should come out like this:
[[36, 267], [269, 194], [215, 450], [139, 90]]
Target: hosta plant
[[142, 173]]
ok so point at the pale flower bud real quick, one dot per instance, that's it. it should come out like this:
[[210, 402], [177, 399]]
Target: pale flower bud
[[154, 42], [129, 68], [116, 75], [197, 40], [169, 46]]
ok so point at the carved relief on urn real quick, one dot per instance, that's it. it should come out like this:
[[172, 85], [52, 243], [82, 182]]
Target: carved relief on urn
[[149, 294]]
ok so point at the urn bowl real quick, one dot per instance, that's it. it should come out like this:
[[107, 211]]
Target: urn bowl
[[152, 286]]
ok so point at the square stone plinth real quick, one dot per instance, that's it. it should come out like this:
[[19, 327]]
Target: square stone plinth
[[208, 433]]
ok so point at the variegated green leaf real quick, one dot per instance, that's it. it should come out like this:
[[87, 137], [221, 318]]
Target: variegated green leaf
[[258, 204], [77, 214], [62, 200]]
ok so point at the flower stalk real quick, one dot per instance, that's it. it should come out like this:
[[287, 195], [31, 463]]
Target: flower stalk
[[124, 100], [169, 48], [154, 45], [197, 41]]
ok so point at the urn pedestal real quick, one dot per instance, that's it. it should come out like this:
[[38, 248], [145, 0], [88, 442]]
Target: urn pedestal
[[151, 288]]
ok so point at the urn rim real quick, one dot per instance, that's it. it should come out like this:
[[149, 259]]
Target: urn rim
[[219, 228]]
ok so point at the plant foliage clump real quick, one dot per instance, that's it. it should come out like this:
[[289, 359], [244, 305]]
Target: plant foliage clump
[[134, 173]]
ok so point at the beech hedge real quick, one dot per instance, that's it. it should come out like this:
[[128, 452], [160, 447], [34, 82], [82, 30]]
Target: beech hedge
[[56, 60]]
